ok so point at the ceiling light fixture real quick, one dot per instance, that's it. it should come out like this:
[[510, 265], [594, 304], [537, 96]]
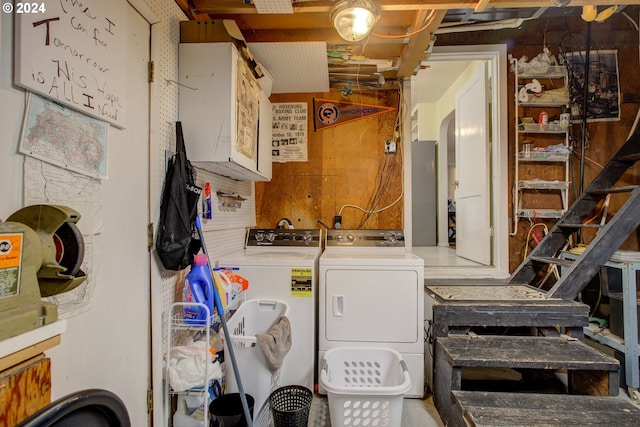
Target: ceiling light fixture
[[354, 19]]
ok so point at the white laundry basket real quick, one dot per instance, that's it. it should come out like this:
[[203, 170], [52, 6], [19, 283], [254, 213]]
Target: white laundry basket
[[254, 316], [365, 386]]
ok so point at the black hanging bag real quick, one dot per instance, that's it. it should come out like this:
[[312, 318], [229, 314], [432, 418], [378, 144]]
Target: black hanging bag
[[176, 241]]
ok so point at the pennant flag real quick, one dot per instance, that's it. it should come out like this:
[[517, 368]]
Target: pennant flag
[[329, 113]]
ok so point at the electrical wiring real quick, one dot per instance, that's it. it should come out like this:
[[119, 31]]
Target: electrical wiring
[[637, 27], [552, 269], [428, 20], [381, 189], [605, 205], [597, 304], [370, 210], [526, 245]]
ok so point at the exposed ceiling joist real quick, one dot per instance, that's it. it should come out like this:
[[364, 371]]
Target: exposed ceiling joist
[[400, 37]]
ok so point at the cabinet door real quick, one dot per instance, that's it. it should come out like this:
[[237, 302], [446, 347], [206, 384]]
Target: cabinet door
[[372, 306], [221, 104], [264, 136]]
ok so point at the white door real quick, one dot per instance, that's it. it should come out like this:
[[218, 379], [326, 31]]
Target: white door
[[108, 345], [473, 236]]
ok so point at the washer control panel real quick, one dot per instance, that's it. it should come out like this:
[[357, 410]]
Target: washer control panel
[[366, 238], [283, 237]]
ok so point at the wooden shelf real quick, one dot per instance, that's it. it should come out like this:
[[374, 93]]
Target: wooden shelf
[[25, 346]]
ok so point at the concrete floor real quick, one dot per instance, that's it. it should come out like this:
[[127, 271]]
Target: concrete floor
[[415, 412]]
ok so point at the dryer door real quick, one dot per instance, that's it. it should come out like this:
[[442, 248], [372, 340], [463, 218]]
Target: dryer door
[[364, 305]]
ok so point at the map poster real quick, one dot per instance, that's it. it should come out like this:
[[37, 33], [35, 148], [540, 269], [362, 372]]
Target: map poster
[[289, 133], [64, 137]]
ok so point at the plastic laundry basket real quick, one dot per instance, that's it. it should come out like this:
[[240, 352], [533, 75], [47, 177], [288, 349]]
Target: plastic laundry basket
[[365, 386], [254, 316], [290, 406]]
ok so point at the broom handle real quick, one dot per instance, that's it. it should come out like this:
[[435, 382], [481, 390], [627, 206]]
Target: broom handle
[[220, 308]]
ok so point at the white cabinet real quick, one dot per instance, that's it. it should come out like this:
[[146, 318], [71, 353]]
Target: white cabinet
[[225, 114]]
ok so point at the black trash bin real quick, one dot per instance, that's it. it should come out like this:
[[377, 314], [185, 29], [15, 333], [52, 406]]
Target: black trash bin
[[290, 406], [227, 410]]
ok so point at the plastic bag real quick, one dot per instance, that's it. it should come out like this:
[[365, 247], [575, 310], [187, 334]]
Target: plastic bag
[[176, 242]]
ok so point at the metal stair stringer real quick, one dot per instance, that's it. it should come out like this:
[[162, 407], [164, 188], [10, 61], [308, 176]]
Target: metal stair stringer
[[597, 253], [608, 239]]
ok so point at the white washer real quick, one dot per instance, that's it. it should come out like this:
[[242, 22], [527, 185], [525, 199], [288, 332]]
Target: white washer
[[371, 295], [282, 264]]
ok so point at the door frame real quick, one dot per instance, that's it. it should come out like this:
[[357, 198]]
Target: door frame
[[496, 55]]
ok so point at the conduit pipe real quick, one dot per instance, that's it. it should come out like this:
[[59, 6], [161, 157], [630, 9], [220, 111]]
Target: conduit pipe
[[484, 26]]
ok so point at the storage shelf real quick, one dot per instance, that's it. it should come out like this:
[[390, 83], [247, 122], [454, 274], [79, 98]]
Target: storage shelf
[[543, 156], [178, 323], [540, 213], [541, 72], [535, 128], [627, 263], [201, 330], [539, 184], [552, 98], [557, 103]]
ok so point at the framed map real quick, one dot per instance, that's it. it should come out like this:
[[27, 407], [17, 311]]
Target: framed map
[[64, 137]]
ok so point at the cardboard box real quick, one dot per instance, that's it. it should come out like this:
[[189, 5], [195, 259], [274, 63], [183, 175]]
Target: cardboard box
[[219, 30], [216, 30]]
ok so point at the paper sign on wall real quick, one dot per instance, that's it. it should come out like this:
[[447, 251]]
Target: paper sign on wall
[[289, 133]]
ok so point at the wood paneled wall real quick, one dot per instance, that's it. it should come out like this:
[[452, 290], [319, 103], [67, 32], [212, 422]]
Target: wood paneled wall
[[343, 170], [569, 33], [344, 161]]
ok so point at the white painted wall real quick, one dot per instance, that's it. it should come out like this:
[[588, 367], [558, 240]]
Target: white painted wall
[[108, 346]]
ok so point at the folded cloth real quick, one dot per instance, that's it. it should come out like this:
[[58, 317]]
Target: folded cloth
[[187, 365], [276, 343]]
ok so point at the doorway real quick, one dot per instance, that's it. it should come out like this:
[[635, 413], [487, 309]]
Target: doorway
[[441, 260]]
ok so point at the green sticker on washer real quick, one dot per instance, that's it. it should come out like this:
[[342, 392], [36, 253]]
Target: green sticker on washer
[[301, 282]]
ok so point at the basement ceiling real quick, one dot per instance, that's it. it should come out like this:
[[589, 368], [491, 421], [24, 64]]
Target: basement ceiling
[[398, 43]]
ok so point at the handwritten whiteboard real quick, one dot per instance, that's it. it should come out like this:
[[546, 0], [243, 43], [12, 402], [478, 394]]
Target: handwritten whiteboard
[[74, 52]]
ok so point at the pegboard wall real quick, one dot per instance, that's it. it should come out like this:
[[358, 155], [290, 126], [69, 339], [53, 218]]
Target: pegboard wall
[[224, 233]]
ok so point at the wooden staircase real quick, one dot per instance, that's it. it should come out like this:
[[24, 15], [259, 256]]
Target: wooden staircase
[[590, 374], [591, 394], [577, 274]]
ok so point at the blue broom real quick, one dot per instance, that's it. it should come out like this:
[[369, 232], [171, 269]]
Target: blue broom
[[220, 309]]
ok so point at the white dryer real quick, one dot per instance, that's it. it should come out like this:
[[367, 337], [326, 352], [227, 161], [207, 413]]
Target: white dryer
[[371, 295], [282, 264]]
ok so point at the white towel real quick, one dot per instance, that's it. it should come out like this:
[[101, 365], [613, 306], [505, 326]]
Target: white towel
[[187, 366]]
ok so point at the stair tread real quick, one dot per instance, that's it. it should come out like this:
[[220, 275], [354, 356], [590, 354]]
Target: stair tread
[[622, 189], [580, 225], [483, 408], [527, 352], [630, 158], [552, 260], [625, 221]]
